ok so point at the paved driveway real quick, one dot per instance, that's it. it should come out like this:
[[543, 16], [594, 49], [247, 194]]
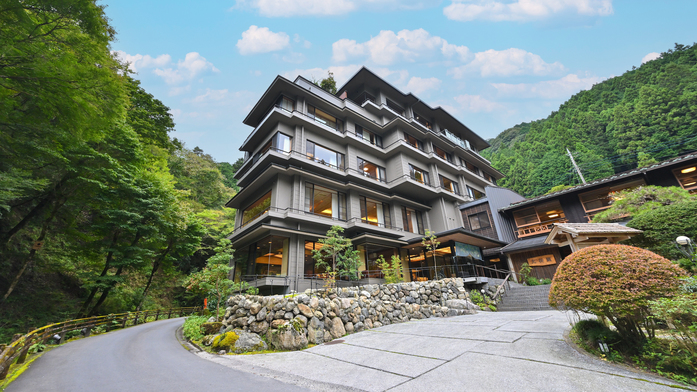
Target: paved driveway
[[502, 351], [144, 358]]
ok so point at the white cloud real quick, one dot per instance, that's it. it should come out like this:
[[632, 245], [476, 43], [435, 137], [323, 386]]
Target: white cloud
[[477, 103], [137, 61], [549, 89], [507, 62], [389, 47], [418, 86], [261, 40], [288, 8], [650, 56], [523, 10], [192, 66], [211, 95]]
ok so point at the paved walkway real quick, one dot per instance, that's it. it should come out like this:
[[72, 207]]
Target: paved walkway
[[501, 351], [147, 357]]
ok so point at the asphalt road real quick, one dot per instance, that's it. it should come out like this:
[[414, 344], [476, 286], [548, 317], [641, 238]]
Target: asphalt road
[[147, 357]]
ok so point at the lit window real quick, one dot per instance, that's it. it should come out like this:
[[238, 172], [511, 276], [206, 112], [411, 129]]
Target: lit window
[[325, 202], [412, 221], [419, 175], [324, 155], [687, 177], [375, 213], [442, 154], [449, 185], [423, 121], [271, 256], [469, 166], [324, 118], [368, 136], [414, 142], [371, 170], [475, 194]]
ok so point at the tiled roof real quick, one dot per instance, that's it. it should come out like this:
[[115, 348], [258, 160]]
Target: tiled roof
[[528, 243], [600, 181]]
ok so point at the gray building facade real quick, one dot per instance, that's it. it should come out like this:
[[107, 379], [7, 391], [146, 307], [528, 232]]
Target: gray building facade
[[379, 163]]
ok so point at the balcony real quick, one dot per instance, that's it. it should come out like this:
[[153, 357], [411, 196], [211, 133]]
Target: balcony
[[538, 228]]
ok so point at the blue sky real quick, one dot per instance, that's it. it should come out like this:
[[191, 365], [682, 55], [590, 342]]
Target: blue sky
[[491, 63]]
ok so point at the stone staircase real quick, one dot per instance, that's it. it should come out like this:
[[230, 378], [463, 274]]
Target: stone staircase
[[520, 298]]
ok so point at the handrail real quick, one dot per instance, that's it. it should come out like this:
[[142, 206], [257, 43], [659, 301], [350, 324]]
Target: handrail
[[19, 348], [498, 290]]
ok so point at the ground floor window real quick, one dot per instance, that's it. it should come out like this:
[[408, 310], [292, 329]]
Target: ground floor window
[[311, 267], [369, 255], [266, 257]]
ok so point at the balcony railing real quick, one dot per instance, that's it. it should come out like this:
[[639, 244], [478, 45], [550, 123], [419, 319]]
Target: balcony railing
[[377, 224], [538, 228]]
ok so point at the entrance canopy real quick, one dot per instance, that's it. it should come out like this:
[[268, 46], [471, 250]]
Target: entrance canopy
[[463, 236], [581, 235]]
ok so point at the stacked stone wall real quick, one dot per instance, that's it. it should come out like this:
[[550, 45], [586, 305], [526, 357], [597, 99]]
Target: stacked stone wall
[[291, 322]]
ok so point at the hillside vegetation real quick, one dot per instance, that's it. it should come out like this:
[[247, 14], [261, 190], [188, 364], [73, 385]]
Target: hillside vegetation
[[644, 116], [101, 211]]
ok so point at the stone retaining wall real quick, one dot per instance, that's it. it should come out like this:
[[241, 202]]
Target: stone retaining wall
[[320, 316]]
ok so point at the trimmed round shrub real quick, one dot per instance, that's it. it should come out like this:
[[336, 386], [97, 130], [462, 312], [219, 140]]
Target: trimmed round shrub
[[617, 282]]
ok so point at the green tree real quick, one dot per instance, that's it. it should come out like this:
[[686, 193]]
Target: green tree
[[328, 83], [228, 171], [392, 270], [637, 201], [662, 225], [338, 250], [430, 242], [213, 280]]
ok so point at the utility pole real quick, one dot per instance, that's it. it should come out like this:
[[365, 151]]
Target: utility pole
[[573, 162]]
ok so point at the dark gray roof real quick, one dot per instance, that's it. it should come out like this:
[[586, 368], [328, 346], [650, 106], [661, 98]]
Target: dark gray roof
[[600, 181], [528, 243], [473, 203]]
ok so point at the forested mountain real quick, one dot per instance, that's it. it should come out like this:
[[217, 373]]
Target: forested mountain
[[101, 210], [646, 115]]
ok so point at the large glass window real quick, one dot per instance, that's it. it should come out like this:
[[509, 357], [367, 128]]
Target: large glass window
[[365, 96], [469, 166], [325, 202], [371, 170], [479, 221], [324, 118], [448, 185], [279, 142], [422, 120], [375, 213], [473, 193], [370, 254], [271, 256], [311, 267], [542, 213], [414, 142], [368, 136], [412, 220], [324, 155], [259, 207], [687, 177], [489, 178], [442, 154], [286, 103], [419, 175]]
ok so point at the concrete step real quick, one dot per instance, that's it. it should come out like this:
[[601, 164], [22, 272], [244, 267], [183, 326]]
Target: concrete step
[[523, 298]]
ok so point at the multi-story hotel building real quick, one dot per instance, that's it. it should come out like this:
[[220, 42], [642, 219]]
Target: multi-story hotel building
[[382, 164]]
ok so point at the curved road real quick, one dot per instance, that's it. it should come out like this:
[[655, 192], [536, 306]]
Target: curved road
[[147, 357]]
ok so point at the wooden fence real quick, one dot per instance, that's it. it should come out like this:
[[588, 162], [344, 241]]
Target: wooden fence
[[16, 352]]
